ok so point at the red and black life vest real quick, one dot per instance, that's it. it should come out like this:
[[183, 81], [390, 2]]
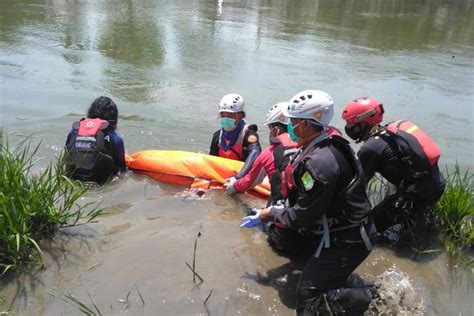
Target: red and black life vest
[[351, 198], [417, 151], [282, 153], [90, 151], [236, 152]]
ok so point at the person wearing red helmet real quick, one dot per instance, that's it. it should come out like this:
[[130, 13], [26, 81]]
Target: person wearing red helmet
[[404, 155]]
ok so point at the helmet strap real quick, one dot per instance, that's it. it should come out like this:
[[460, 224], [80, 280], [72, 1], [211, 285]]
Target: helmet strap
[[366, 130], [374, 130]]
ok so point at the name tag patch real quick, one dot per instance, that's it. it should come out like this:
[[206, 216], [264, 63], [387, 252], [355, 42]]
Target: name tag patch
[[307, 180]]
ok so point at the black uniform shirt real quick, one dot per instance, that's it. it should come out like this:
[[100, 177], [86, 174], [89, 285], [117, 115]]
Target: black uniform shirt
[[379, 155], [318, 178]]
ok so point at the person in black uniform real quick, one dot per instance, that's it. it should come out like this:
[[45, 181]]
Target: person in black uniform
[[404, 155], [235, 139], [328, 204]]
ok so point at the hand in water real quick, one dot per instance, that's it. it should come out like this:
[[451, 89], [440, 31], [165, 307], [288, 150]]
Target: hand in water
[[230, 189], [252, 220], [230, 181], [229, 185]]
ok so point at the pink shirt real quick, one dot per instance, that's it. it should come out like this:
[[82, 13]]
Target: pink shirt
[[262, 165]]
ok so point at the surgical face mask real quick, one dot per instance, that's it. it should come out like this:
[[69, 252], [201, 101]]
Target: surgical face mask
[[227, 123], [291, 132]]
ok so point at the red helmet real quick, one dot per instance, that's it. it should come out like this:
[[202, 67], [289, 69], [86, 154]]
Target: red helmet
[[363, 110]]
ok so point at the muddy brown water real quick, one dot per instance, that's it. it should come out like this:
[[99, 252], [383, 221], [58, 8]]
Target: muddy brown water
[[167, 63]]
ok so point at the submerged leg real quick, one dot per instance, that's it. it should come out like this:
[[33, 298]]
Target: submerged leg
[[322, 289]]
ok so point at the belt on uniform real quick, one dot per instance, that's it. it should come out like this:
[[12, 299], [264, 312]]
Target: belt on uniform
[[325, 232]]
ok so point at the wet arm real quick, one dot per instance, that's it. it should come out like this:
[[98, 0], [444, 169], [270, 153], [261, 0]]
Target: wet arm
[[368, 160], [254, 151], [120, 154], [69, 135], [214, 149]]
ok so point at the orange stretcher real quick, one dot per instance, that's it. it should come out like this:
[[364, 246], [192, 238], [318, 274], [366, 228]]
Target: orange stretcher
[[190, 169]]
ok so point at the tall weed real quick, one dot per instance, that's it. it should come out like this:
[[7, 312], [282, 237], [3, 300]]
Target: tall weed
[[455, 211], [34, 205]]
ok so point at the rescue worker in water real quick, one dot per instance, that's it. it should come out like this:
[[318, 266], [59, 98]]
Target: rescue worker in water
[[235, 139], [328, 205], [268, 161], [95, 150], [404, 155]]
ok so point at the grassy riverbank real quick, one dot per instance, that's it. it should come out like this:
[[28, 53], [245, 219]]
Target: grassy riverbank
[[34, 205], [455, 213]]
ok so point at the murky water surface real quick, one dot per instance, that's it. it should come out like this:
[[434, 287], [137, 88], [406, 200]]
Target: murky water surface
[[167, 63]]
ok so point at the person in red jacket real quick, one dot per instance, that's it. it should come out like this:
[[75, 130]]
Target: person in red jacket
[[265, 162]]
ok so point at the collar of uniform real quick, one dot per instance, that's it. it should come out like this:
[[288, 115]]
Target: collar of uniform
[[304, 150], [375, 129]]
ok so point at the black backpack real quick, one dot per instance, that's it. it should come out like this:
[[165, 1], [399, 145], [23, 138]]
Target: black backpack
[[90, 155]]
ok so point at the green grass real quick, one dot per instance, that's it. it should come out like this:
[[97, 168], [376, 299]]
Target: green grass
[[34, 205], [455, 212]]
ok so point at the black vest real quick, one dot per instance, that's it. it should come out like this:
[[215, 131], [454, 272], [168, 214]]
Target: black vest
[[91, 157]]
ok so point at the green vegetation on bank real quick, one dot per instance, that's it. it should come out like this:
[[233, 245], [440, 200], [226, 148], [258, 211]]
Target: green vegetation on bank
[[455, 212], [34, 205]]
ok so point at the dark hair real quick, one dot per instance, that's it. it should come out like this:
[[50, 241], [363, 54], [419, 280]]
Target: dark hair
[[104, 108], [283, 127]]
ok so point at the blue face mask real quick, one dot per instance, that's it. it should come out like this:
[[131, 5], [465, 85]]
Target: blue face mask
[[291, 132], [227, 124]]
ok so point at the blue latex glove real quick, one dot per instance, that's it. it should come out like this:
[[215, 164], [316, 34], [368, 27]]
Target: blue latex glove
[[252, 220]]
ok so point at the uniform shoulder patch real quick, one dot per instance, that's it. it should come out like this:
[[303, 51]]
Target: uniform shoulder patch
[[307, 180], [252, 139]]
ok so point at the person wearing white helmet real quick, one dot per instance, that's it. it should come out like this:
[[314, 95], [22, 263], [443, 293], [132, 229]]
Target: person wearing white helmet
[[235, 139], [266, 162], [329, 207]]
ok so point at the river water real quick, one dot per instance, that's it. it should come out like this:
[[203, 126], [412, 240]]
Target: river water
[[167, 64]]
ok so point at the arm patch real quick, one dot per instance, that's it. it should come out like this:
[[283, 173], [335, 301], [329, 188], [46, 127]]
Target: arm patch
[[252, 139], [307, 180]]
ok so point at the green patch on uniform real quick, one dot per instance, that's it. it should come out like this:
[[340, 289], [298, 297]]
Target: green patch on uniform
[[307, 180]]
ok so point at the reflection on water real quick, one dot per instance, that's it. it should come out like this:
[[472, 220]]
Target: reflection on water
[[385, 25], [170, 62]]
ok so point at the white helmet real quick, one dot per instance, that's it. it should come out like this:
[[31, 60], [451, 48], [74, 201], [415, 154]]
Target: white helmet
[[314, 105], [275, 114], [232, 103]]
